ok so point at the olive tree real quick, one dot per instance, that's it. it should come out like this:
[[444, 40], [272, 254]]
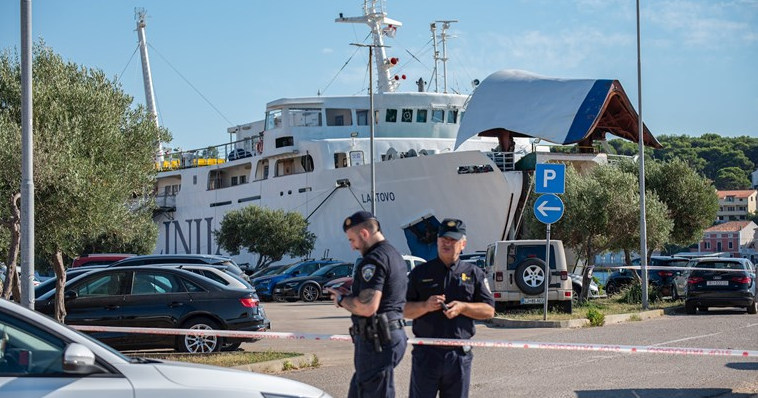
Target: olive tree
[[94, 167], [271, 234]]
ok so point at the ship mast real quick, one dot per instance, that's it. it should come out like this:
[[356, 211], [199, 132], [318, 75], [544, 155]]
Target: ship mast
[[443, 40], [139, 15], [376, 18]]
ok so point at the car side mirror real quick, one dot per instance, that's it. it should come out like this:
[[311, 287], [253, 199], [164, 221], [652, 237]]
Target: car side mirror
[[78, 359], [70, 295]]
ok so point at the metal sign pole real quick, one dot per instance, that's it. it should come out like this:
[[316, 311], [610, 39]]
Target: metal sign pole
[[547, 270]]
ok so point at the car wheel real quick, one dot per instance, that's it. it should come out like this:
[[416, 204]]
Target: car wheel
[[530, 276], [576, 291], [565, 306], [309, 293], [199, 343], [610, 288], [231, 345], [690, 309], [753, 309]]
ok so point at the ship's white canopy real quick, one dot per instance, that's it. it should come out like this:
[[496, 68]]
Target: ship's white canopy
[[562, 111]]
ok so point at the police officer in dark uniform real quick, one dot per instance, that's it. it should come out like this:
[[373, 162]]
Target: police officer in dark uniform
[[376, 304], [444, 298]]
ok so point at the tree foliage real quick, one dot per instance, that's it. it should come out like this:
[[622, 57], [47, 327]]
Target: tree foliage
[[706, 155], [732, 178], [93, 158], [271, 234]]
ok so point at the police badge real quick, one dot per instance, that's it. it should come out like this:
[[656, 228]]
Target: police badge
[[367, 272]]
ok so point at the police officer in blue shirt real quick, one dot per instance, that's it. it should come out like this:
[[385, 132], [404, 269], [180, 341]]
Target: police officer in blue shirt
[[376, 304], [444, 298]]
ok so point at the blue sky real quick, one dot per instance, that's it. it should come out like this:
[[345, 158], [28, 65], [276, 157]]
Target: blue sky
[[699, 57]]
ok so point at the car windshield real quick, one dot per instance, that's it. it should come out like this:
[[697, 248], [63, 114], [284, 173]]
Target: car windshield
[[721, 265], [324, 270], [270, 271]]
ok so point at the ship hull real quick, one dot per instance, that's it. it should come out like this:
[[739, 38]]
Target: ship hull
[[409, 191]]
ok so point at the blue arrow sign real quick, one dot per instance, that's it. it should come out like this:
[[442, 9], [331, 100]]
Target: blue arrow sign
[[548, 209]]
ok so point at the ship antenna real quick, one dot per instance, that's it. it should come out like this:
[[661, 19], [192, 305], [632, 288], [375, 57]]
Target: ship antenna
[[376, 18], [443, 40], [139, 15]]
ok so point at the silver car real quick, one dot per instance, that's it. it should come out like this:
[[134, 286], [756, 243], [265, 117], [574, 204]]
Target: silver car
[[43, 358]]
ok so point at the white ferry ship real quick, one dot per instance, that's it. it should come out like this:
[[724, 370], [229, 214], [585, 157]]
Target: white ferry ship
[[312, 155]]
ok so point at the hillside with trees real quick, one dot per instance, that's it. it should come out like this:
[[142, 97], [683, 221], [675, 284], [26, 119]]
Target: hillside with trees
[[727, 161]]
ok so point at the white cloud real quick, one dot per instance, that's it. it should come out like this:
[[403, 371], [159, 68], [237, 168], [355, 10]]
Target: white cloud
[[706, 24]]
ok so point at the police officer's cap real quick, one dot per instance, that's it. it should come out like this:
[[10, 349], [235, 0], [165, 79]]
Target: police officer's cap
[[358, 218], [452, 228]]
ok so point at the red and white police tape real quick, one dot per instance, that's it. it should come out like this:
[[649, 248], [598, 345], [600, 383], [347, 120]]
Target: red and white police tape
[[630, 349]]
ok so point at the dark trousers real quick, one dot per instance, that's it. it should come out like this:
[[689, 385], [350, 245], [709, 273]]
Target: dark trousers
[[374, 371], [440, 369]]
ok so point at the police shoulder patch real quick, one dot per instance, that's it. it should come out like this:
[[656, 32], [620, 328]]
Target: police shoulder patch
[[367, 272]]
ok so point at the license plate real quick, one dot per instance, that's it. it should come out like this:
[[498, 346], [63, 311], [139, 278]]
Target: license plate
[[277, 290], [717, 283], [533, 300]]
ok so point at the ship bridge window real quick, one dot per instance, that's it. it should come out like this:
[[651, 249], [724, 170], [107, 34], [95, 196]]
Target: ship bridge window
[[438, 115], [362, 117], [273, 119], [407, 116], [306, 117], [295, 165], [391, 116], [284, 141], [452, 116], [261, 171], [339, 117], [421, 116], [340, 160]]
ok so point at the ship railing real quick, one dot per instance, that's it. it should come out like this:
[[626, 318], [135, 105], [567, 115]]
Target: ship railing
[[614, 159], [212, 155], [165, 201], [503, 160]]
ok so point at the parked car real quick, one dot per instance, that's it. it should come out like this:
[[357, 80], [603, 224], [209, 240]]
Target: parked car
[[219, 273], [206, 259], [161, 297], [270, 270], [721, 282], [265, 284], [71, 273], [410, 261], [661, 278], [309, 287], [40, 357], [99, 259], [343, 285], [576, 286]]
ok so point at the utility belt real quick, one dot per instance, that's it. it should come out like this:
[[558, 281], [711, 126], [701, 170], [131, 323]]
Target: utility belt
[[376, 329]]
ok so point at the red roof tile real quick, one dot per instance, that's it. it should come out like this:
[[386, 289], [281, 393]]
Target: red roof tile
[[744, 193], [729, 226]]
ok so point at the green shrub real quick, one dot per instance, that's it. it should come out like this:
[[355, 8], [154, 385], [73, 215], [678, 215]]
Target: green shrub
[[632, 294], [596, 317]]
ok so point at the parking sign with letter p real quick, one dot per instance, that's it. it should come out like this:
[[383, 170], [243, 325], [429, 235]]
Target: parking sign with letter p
[[550, 178]]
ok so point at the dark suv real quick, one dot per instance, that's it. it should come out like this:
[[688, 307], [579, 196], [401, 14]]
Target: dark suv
[[265, 284], [663, 279]]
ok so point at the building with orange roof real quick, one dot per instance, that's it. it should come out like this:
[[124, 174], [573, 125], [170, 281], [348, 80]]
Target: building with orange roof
[[733, 237], [736, 205]]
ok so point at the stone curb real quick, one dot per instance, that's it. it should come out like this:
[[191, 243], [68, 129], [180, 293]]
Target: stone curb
[[581, 322], [277, 365]]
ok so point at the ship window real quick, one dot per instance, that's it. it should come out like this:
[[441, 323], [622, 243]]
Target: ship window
[[273, 119], [296, 165], [356, 158], [452, 116], [194, 180], [340, 160], [391, 116], [234, 180], [407, 116], [243, 179], [215, 180], [438, 116], [306, 117], [338, 117], [421, 116], [284, 141], [261, 171], [362, 116]]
